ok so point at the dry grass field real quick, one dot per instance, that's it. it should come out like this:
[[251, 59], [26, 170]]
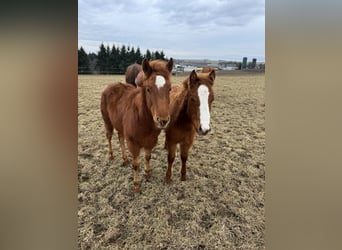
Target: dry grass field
[[219, 206]]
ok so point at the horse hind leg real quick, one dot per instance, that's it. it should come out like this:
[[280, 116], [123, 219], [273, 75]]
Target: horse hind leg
[[109, 134], [123, 149], [108, 125]]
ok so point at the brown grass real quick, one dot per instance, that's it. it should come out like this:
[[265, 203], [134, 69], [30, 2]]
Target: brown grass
[[221, 205]]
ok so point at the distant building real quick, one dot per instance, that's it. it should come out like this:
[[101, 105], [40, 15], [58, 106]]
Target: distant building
[[244, 63], [177, 69]]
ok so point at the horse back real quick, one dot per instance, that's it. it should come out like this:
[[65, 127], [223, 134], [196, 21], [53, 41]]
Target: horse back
[[177, 100], [114, 101], [181, 129], [132, 73]]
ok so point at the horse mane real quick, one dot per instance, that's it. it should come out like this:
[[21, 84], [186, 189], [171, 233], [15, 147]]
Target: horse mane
[[178, 99], [204, 78], [136, 98], [159, 67], [179, 94]]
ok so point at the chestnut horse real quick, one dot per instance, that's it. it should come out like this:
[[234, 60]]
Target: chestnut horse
[[132, 74], [138, 114], [207, 69], [190, 113]]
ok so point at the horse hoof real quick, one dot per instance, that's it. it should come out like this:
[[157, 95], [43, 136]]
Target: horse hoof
[[125, 163], [168, 181], [136, 190], [183, 178], [147, 176], [110, 157]]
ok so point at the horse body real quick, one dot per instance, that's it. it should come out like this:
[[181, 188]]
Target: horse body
[[131, 73], [189, 107], [134, 75], [207, 69], [138, 114]]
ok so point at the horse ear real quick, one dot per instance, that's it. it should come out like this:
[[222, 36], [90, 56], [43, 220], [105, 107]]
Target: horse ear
[[212, 75], [146, 68], [170, 65], [193, 79]]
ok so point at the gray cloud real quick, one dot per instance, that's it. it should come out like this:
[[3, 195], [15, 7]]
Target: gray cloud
[[189, 27], [199, 13]]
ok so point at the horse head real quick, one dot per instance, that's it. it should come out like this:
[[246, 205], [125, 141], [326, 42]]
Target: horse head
[[200, 97], [156, 86]]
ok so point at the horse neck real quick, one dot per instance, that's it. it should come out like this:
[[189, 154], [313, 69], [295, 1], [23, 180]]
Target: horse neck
[[139, 103], [180, 104]]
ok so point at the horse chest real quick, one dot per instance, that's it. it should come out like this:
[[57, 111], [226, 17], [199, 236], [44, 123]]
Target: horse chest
[[144, 138]]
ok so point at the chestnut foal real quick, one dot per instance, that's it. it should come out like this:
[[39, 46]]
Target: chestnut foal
[[190, 113], [138, 114]]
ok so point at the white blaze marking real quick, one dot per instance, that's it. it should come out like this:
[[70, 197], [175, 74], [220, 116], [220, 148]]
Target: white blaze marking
[[203, 94], [160, 81]]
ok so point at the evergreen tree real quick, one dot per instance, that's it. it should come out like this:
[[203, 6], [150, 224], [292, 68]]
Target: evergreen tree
[[108, 65], [123, 57], [114, 59], [83, 62], [156, 55], [162, 55], [148, 55], [102, 59], [92, 61], [131, 57], [92, 56], [138, 56]]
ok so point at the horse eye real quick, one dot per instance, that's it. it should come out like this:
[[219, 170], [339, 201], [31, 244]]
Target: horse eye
[[169, 89], [148, 90]]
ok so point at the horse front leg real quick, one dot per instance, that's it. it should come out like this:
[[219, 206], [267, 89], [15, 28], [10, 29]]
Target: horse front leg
[[170, 159], [136, 164], [147, 163], [135, 151], [184, 148]]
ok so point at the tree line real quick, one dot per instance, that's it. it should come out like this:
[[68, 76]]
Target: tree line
[[113, 60]]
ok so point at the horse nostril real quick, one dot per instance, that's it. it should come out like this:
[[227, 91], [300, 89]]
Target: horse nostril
[[203, 131], [162, 122]]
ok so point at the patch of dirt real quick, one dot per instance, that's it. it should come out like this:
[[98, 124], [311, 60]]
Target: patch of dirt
[[220, 205]]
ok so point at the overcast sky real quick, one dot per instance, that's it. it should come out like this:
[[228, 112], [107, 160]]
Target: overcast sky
[[183, 29]]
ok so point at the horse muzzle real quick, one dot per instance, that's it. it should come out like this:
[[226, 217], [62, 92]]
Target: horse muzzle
[[162, 123], [203, 131]]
